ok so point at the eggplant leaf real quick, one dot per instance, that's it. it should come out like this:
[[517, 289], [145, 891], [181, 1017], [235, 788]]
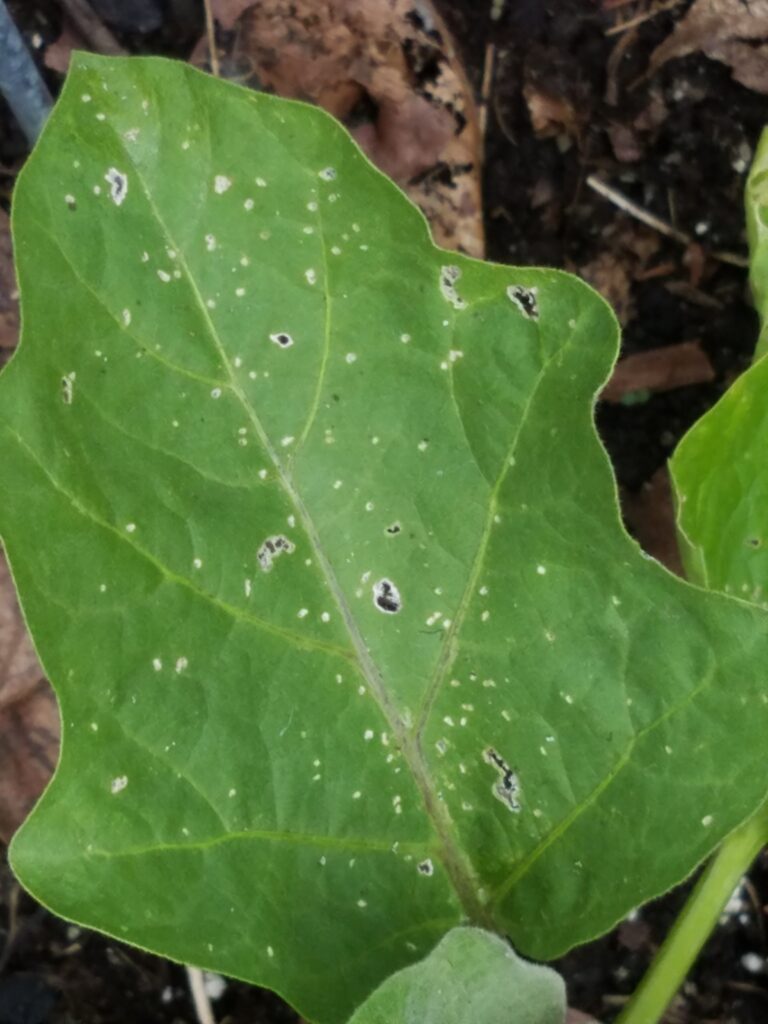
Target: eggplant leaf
[[319, 547], [469, 976]]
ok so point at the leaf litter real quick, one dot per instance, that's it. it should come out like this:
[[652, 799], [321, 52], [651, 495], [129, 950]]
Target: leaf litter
[[734, 32]]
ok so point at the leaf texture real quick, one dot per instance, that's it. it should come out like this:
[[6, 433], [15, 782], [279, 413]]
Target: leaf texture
[[470, 975], [319, 547]]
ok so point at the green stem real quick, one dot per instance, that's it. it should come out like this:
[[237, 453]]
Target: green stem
[[697, 920]]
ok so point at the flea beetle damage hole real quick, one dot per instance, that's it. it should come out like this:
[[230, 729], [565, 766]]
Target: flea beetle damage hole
[[386, 597], [507, 787], [118, 185], [282, 339], [525, 300], [271, 549]]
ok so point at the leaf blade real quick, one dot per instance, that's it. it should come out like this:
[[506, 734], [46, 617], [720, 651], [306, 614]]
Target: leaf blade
[[412, 802], [470, 975]]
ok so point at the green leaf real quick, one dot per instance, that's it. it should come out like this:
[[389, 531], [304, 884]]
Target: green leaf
[[719, 471], [469, 976], [460, 692], [720, 478], [757, 230]]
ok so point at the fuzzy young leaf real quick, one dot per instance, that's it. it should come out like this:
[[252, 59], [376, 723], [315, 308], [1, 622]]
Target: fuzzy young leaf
[[469, 976], [318, 544]]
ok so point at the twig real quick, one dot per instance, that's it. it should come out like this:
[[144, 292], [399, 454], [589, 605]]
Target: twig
[[641, 18], [652, 221], [95, 32], [20, 81], [200, 998], [485, 89], [625, 204], [210, 31]]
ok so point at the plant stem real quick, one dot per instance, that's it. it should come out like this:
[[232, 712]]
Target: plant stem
[[697, 920]]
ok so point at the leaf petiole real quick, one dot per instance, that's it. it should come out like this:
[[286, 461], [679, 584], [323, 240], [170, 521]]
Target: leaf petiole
[[696, 921]]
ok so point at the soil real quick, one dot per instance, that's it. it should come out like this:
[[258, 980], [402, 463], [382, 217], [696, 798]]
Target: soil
[[678, 144]]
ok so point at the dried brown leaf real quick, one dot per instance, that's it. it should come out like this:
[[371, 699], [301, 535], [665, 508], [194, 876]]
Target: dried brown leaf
[[29, 718], [731, 31], [9, 296], [611, 277], [58, 53], [650, 514], [628, 248], [551, 114], [659, 369]]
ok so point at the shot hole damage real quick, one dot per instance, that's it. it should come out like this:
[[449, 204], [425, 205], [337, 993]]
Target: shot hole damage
[[271, 549], [525, 299], [68, 387], [281, 339], [426, 868], [507, 787], [118, 185], [448, 278], [393, 529], [386, 597]]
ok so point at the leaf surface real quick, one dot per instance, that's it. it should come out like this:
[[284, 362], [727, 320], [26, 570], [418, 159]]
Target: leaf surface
[[319, 547], [756, 202], [719, 470], [469, 976]]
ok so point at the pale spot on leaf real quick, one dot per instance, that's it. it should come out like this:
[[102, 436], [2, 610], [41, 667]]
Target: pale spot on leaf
[[118, 185]]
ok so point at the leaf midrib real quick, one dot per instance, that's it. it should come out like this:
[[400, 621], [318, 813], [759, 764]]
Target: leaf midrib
[[455, 861]]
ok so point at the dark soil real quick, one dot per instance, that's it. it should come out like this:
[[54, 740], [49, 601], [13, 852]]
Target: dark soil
[[679, 145]]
